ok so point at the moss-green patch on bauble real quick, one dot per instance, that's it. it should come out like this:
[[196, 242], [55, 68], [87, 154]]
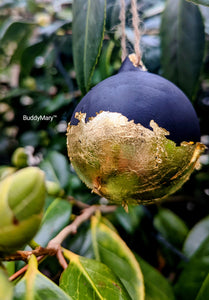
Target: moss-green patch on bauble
[[134, 138]]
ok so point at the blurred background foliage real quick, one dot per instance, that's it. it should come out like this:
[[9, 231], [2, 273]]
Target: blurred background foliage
[[37, 78]]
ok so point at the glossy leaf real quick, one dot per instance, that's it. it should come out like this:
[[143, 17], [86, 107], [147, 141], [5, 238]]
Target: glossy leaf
[[55, 165], [88, 31], [34, 285], [202, 2], [56, 217], [196, 236], [194, 273], [111, 250], [156, 286], [204, 291], [182, 44], [6, 287], [89, 279], [171, 227]]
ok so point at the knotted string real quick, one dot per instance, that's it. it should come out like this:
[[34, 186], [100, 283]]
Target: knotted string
[[123, 30], [137, 33]]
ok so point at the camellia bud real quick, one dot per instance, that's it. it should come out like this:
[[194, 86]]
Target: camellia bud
[[134, 138], [54, 189], [22, 197], [6, 171], [20, 158]]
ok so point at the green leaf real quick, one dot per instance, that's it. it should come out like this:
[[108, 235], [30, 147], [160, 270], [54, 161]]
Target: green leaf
[[104, 67], [56, 167], [57, 216], [88, 32], [29, 55], [111, 250], [196, 236], [35, 286], [130, 222], [10, 267], [6, 288], [112, 12], [81, 243], [156, 286], [89, 279], [194, 273], [13, 31], [202, 2], [171, 227], [204, 291], [182, 34], [58, 102], [53, 28]]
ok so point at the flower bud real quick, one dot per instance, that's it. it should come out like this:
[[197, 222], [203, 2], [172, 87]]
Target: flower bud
[[6, 171], [22, 197], [54, 189], [20, 158]]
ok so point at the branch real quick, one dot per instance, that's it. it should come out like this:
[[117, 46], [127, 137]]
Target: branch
[[77, 203], [23, 255], [73, 227], [54, 246], [24, 269]]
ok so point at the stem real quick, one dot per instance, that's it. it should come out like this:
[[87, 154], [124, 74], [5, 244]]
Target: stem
[[33, 244], [77, 203], [24, 269], [169, 246], [23, 255], [73, 227], [54, 246]]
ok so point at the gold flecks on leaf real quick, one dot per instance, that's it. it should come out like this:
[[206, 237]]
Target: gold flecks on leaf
[[126, 162]]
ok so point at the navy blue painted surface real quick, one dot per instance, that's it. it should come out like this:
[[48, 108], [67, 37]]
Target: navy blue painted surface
[[142, 97]]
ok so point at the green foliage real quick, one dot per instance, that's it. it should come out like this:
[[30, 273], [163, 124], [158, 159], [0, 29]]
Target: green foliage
[[96, 280], [202, 2], [204, 291], [6, 288], [194, 273], [182, 44], [156, 286], [51, 54], [88, 31], [110, 249], [172, 228], [34, 285]]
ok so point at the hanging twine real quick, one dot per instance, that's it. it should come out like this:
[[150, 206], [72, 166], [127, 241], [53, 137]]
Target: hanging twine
[[137, 34], [123, 29]]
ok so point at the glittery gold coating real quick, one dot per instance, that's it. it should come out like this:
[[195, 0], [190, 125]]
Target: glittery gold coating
[[126, 162]]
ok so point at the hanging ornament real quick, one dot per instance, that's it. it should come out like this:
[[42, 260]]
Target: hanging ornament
[[134, 138]]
